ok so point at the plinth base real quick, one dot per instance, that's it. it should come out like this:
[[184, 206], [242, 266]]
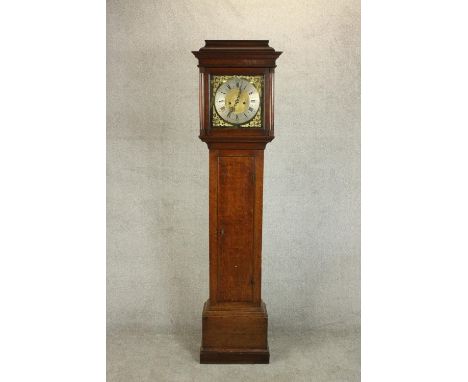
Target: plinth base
[[234, 333]]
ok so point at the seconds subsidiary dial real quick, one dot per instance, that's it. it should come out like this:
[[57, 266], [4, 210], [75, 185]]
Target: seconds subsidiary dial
[[237, 101]]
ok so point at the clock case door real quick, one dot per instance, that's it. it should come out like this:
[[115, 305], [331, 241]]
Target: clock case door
[[236, 199]]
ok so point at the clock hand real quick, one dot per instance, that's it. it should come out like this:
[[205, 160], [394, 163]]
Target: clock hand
[[238, 97]]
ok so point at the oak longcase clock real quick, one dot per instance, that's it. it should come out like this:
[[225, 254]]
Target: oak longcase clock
[[236, 122]]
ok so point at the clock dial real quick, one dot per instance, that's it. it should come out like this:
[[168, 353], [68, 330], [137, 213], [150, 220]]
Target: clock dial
[[237, 100]]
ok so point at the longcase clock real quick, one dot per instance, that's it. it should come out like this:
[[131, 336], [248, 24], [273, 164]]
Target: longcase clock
[[236, 122]]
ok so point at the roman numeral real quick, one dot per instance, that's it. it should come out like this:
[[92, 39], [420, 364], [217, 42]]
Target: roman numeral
[[228, 86], [250, 109], [223, 108]]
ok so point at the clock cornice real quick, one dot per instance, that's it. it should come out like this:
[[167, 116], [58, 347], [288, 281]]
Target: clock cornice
[[237, 53]]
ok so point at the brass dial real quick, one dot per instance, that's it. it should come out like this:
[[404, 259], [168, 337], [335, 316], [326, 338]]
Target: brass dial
[[237, 100]]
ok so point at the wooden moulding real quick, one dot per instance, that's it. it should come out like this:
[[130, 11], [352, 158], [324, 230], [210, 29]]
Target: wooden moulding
[[234, 333]]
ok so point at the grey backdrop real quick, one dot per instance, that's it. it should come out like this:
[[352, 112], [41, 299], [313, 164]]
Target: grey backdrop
[[157, 188]]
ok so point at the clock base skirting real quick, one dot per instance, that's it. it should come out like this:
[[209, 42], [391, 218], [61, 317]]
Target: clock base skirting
[[225, 356], [234, 333]]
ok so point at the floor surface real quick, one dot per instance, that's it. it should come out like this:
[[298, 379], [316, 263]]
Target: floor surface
[[325, 354]]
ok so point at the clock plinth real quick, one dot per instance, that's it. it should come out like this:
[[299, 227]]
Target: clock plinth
[[234, 333], [236, 122]]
